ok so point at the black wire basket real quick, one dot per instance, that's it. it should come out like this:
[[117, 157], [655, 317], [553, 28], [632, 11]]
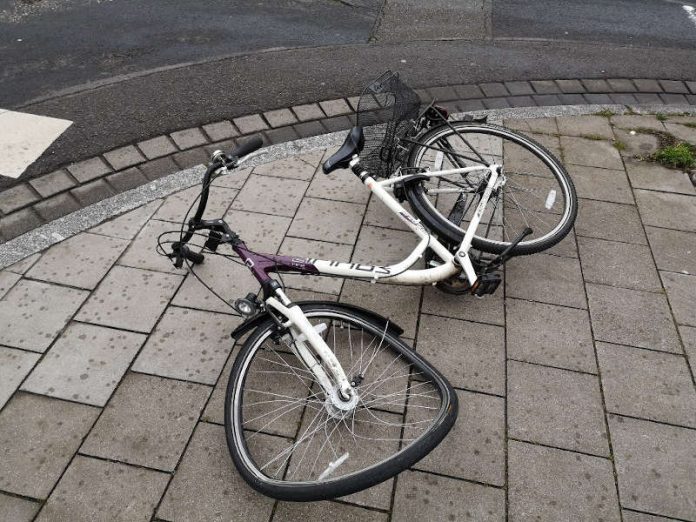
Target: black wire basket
[[387, 111]]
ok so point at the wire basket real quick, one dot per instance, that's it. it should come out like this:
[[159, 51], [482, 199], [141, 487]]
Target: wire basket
[[386, 110]]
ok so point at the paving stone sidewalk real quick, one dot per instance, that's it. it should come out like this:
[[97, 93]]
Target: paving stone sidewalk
[[575, 380]]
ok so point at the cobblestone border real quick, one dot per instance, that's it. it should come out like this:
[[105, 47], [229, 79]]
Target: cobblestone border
[[30, 204]]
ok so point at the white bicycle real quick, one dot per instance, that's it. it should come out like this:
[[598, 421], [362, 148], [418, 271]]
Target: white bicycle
[[324, 399]]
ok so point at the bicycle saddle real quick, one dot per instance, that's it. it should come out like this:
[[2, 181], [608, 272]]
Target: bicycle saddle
[[355, 141]]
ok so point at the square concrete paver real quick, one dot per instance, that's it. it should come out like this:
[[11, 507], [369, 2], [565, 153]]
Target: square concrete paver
[[653, 176], [321, 219], [681, 291], [554, 484], [656, 466], [471, 355], [340, 185], [601, 184], [673, 250], [17, 509], [93, 489], [556, 407], [207, 486], [632, 317], [20, 267], [543, 125], [551, 335], [379, 215], [177, 205], [663, 210], [637, 121], [383, 246], [647, 384], [14, 366], [127, 225], [609, 221], [130, 298], [304, 511], [636, 145], [688, 335], [228, 279], [547, 279], [261, 232], [187, 138], [38, 437], [585, 126], [215, 409], [7, 281], [191, 345], [147, 422], [301, 167], [271, 195], [123, 157], [618, 264], [142, 252], [475, 448], [32, 314], [234, 179], [396, 302], [157, 147], [81, 260], [85, 364], [422, 496], [490, 309], [591, 153], [89, 169], [682, 132]]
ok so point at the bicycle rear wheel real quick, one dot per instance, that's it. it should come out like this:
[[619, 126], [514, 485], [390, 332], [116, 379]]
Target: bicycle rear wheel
[[286, 439], [538, 192]]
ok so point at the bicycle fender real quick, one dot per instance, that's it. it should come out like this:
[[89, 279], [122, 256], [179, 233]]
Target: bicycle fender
[[255, 321]]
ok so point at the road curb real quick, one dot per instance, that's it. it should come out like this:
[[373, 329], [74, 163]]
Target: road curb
[[32, 203]]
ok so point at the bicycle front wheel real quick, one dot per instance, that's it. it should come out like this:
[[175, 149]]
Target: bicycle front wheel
[[287, 439], [538, 192]]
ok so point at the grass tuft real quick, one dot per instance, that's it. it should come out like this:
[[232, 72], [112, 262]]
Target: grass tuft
[[679, 156], [619, 145], [605, 112], [660, 117], [595, 137]]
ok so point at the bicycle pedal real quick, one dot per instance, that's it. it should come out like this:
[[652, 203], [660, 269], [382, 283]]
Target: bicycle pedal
[[486, 284]]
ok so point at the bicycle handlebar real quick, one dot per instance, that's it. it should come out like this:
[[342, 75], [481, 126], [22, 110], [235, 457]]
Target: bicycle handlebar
[[251, 145], [228, 161]]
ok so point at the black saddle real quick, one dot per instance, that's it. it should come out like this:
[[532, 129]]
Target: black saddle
[[355, 141]]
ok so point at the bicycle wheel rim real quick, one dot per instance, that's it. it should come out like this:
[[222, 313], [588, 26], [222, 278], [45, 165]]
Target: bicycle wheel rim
[[357, 478], [563, 184]]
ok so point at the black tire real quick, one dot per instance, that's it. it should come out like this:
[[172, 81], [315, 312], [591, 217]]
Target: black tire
[[451, 232], [284, 488]]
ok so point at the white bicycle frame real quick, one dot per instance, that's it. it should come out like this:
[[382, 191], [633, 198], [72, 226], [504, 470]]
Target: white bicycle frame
[[344, 396], [401, 273]]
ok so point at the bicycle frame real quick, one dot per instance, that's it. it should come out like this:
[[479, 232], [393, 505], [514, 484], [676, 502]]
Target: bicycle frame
[[343, 395], [400, 273]]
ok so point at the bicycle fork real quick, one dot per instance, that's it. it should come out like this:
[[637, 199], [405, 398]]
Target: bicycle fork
[[309, 346]]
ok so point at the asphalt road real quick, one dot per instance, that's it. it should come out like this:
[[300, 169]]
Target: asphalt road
[[124, 70]]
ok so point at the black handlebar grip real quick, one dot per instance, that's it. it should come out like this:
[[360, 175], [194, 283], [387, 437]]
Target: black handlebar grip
[[254, 143]]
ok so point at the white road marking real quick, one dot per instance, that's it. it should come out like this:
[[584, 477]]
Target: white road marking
[[24, 137], [690, 12]]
